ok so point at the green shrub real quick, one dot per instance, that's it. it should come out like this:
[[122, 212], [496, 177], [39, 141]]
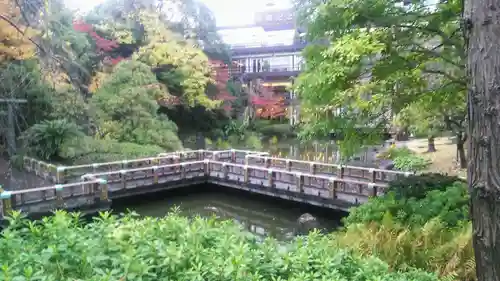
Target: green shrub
[[450, 205], [284, 130], [418, 185], [432, 247], [175, 248], [86, 150], [393, 152], [44, 140], [411, 163]]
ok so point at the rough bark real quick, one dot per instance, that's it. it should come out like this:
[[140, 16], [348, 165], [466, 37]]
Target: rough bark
[[481, 25], [431, 146], [462, 159]]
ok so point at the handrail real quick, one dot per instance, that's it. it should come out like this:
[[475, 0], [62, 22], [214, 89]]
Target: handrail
[[296, 173], [142, 169], [57, 186], [331, 165]]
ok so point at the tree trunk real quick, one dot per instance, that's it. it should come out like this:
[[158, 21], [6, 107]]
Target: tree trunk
[[431, 146], [482, 34], [461, 158]]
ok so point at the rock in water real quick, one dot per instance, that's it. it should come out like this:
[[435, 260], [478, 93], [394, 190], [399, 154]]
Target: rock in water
[[306, 223]]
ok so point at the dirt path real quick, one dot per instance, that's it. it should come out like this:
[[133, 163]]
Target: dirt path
[[443, 160]]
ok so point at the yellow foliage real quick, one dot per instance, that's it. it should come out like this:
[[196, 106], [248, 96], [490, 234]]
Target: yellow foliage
[[14, 42], [433, 247]]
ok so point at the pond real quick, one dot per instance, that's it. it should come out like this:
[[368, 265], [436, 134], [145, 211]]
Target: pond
[[261, 215]]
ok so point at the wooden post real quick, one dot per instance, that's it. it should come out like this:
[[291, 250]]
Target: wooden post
[[124, 164], [60, 174], [59, 196], [288, 165], [247, 157], [201, 154], [270, 176], [6, 197], [216, 156], [312, 168], [373, 174], [332, 186], [300, 182], [155, 175], [103, 187], [123, 175], [245, 175], [233, 156]]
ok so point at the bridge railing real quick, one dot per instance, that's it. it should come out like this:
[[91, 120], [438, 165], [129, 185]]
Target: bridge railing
[[340, 171], [310, 185], [69, 195]]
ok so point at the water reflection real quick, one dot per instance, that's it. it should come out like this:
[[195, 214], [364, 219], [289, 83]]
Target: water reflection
[[259, 215]]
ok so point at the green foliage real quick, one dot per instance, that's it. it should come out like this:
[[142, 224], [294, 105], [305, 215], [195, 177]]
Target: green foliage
[[45, 139], [379, 60], [126, 108], [393, 152], [85, 150], [417, 186], [450, 204], [174, 248], [411, 163], [432, 247]]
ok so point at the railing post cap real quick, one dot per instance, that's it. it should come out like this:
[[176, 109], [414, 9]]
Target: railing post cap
[[245, 167], [123, 172], [270, 171], [206, 161], [155, 168], [60, 168], [332, 180], [124, 161], [5, 195], [371, 184], [371, 170], [95, 165], [224, 165], [298, 174], [407, 174], [58, 187], [233, 150]]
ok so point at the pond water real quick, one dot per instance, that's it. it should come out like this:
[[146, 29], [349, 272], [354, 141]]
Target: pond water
[[261, 215]]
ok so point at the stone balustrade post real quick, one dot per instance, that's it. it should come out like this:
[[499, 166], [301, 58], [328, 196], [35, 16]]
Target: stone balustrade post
[[299, 177], [123, 176], [183, 171], [267, 162], [124, 164], [225, 171], [288, 165], [341, 171], [312, 168], [155, 174], [60, 175], [246, 174], [373, 175], [206, 164], [59, 196], [104, 190], [374, 189], [233, 156], [247, 159], [332, 187], [95, 166], [270, 177], [6, 198]]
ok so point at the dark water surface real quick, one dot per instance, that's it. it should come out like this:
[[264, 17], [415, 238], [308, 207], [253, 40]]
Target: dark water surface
[[260, 215]]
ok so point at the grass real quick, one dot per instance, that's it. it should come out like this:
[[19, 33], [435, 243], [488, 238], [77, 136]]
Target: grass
[[443, 160]]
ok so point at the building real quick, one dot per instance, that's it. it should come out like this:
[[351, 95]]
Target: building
[[266, 57]]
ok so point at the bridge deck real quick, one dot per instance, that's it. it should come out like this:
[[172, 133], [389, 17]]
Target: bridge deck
[[93, 186]]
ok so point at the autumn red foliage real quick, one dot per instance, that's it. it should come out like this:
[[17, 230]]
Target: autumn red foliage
[[220, 74], [269, 104], [103, 45]]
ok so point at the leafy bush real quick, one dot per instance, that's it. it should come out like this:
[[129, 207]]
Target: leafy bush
[[432, 247], [411, 163], [44, 140], [451, 206], [88, 150], [174, 248], [418, 185], [393, 152], [284, 130]]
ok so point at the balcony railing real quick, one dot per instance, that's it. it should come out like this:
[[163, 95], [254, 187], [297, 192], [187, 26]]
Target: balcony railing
[[266, 69]]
